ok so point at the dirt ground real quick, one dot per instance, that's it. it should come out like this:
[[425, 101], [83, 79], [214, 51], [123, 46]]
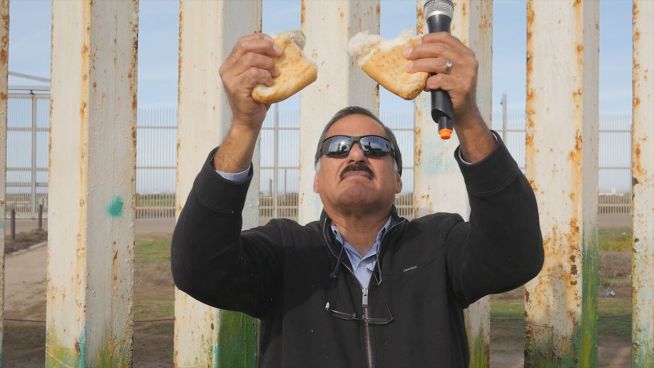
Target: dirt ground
[[24, 240], [25, 302]]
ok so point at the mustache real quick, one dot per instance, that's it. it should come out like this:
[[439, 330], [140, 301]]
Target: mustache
[[357, 166]]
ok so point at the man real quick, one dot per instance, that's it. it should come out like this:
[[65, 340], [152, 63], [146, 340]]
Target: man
[[361, 287]]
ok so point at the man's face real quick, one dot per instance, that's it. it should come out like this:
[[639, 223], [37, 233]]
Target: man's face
[[356, 184]]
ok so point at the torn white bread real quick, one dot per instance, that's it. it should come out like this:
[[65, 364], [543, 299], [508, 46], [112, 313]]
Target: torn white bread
[[296, 72], [384, 61]]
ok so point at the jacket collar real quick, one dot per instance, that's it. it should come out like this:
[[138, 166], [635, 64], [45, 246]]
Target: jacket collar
[[334, 246]]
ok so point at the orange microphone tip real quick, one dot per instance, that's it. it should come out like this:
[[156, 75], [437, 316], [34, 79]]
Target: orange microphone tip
[[445, 133]]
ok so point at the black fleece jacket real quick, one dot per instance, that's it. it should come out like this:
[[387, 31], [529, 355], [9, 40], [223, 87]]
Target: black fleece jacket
[[428, 271]]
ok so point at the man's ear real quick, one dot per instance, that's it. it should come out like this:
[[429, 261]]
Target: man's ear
[[398, 183], [316, 187]]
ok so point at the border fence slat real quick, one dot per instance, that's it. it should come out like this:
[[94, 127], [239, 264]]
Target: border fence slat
[[92, 175], [208, 31], [643, 182], [435, 167], [561, 162], [4, 63]]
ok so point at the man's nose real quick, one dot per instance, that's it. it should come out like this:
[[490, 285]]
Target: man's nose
[[356, 153]]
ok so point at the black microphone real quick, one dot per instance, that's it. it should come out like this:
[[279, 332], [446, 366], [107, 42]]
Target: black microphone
[[438, 14]]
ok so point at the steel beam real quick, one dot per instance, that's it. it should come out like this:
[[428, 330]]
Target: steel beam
[[92, 183], [340, 81], [435, 167], [643, 185], [205, 336], [4, 62], [561, 162]]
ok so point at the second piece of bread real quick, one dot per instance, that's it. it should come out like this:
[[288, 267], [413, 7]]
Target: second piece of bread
[[384, 62]]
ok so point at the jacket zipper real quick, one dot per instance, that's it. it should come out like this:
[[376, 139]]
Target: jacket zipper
[[366, 327], [364, 292], [364, 305]]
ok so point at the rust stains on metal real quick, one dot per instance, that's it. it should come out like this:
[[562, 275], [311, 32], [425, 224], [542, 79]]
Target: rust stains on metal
[[577, 95], [4, 42], [420, 20], [637, 164], [134, 135], [418, 151], [580, 56], [634, 181], [526, 296], [531, 18], [531, 95], [303, 12], [83, 110]]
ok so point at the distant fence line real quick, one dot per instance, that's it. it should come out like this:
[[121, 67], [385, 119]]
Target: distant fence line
[[27, 159]]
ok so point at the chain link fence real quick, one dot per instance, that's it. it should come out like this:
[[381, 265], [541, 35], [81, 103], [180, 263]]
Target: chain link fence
[[27, 159]]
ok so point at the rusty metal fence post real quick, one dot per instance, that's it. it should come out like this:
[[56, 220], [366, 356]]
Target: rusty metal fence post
[[561, 163], [435, 167], [643, 185], [4, 63], [91, 178], [340, 81], [205, 336]]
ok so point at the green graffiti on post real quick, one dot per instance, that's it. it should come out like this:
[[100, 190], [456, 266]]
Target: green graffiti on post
[[479, 353], [237, 341], [540, 355], [58, 355], [586, 334], [115, 209], [112, 355], [643, 359], [583, 349]]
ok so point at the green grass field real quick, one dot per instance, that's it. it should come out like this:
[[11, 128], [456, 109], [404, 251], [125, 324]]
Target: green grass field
[[617, 239], [614, 316], [154, 296]]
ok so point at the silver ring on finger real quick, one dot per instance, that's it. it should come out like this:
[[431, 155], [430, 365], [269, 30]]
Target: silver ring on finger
[[448, 66]]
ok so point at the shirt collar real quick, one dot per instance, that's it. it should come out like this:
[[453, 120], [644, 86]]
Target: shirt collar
[[352, 252]]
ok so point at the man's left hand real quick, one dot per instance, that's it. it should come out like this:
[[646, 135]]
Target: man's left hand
[[432, 56], [459, 80]]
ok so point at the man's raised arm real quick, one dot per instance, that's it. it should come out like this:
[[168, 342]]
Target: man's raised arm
[[211, 260], [249, 64]]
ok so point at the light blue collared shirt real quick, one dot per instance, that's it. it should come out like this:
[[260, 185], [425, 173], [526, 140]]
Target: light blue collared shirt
[[363, 266]]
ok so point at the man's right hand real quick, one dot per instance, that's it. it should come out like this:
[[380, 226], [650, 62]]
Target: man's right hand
[[249, 64]]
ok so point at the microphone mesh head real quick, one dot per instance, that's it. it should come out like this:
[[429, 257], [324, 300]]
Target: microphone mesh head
[[440, 7]]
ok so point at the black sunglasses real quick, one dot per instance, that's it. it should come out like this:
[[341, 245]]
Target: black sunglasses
[[371, 145]]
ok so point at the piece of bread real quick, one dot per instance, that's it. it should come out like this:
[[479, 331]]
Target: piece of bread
[[384, 62], [296, 72]]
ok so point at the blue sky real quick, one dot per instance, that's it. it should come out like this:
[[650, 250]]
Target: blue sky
[[30, 47]]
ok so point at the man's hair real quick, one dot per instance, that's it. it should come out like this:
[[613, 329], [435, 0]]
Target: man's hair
[[354, 110]]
